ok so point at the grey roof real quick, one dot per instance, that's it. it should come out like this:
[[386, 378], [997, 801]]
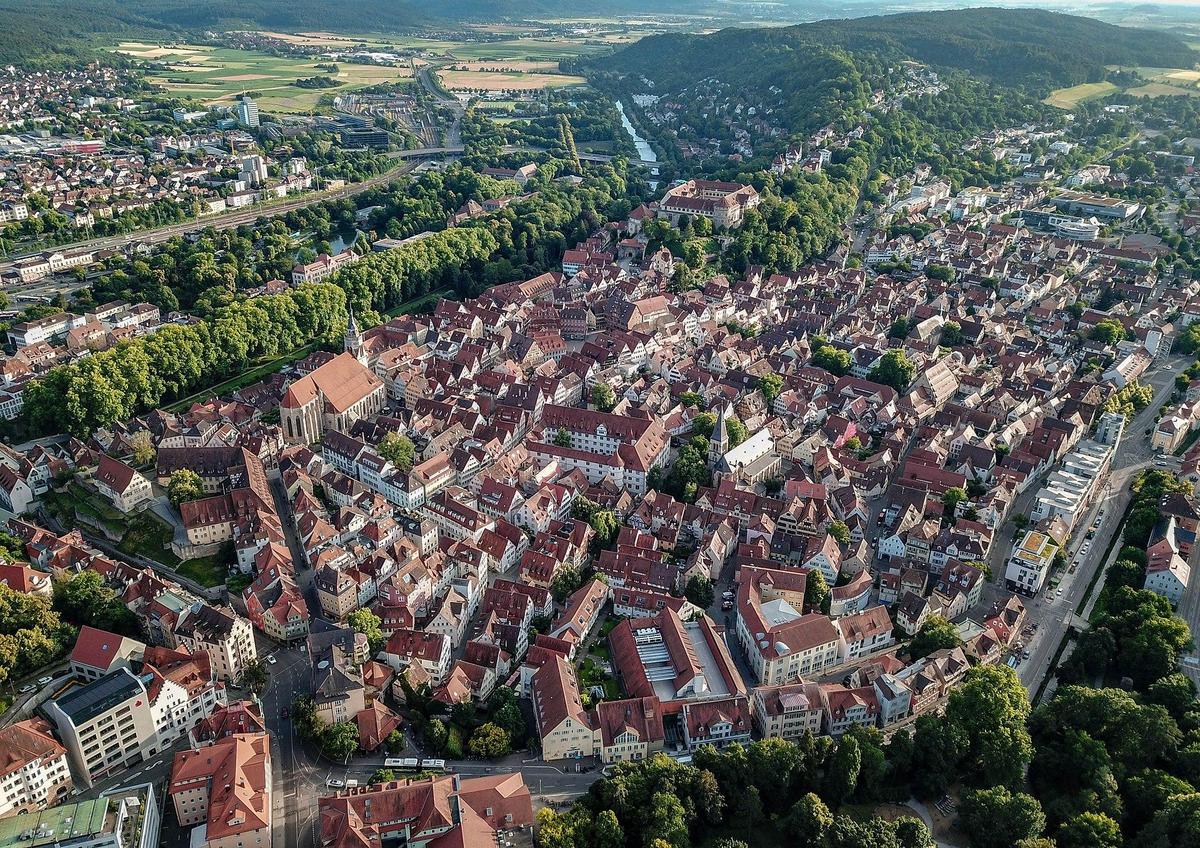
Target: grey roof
[[85, 703]]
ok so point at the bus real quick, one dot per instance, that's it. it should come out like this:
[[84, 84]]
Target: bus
[[433, 765]]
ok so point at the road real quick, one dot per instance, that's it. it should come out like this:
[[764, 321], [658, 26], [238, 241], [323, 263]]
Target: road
[[1053, 612]]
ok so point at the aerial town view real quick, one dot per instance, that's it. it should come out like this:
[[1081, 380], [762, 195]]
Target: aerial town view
[[660, 424]]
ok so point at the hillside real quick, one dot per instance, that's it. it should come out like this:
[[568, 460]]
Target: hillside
[[1032, 48]]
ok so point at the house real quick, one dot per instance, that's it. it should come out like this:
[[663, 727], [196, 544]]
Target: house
[[440, 811], [788, 711], [124, 486], [629, 729], [34, 773], [564, 726], [223, 790], [863, 633], [225, 636]]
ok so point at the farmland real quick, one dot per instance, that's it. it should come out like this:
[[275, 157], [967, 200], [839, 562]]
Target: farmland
[[505, 80], [219, 74], [1066, 98]]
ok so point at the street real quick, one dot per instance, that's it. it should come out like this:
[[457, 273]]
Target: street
[[1054, 612]]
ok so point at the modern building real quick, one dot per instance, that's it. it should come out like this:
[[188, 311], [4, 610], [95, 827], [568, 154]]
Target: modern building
[[126, 818], [1030, 563], [106, 725], [246, 112]]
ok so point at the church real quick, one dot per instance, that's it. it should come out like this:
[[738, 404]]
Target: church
[[333, 396], [752, 461]]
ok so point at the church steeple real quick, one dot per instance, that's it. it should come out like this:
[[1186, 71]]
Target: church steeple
[[718, 443], [354, 340]]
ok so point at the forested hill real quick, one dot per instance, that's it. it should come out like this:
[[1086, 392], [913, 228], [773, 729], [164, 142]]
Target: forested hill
[[1028, 47]]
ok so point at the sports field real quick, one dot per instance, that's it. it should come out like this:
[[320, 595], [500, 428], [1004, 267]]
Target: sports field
[[220, 74]]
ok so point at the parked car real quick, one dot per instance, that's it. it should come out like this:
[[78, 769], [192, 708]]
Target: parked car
[[27, 688], [271, 659], [727, 605], [284, 713], [45, 681], [334, 783], [727, 596]]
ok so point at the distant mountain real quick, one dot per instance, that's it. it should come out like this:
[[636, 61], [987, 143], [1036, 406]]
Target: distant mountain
[[1027, 47]]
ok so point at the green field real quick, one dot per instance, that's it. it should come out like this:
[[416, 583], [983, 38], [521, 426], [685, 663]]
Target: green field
[[524, 48], [1066, 98], [220, 74]]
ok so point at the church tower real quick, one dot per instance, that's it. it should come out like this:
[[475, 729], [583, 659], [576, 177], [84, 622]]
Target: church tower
[[718, 443], [354, 340]]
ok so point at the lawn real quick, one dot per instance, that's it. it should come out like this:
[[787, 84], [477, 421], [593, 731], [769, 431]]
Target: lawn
[[150, 537], [1067, 98], [219, 74], [207, 571]]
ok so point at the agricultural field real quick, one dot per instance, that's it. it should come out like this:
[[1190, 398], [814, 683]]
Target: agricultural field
[[505, 80], [532, 49], [1155, 82], [219, 75], [1066, 98], [1158, 89]]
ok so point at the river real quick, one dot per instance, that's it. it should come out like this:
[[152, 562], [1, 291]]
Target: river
[[644, 150]]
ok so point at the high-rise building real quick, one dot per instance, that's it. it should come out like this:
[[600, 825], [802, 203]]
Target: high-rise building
[[246, 112]]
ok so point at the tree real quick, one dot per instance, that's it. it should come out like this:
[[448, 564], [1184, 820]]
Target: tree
[[817, 594], [667, 822], [770, 385], [1089, 830], [936, 633], [383, 775], [996, 818], [340, 741], [608, 832], [395, 743], [255, 675], [562, 438], [367, 623], [699, 590], [991, 708], [397, 449], [566, 581], [894, 369], [832, 359], [606, 527], [603, 397], [84, 599], [184, 485], [841, 775], [952, 335], [736, 429], [1108, 332], [808, 821], [436, 734], [1176, 824], [490, 741], [142, 444], [839, 531], [951, 499]]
